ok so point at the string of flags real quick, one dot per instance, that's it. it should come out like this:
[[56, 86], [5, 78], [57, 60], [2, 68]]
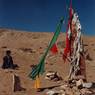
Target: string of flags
[[40, 68], [73, 50]]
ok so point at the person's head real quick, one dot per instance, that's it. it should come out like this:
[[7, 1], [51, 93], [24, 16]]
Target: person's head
[[8, 52]]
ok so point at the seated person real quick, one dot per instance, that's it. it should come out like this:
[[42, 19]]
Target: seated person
[[8, 61]]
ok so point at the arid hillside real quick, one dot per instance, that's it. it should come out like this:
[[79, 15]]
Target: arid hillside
[[27, 49]]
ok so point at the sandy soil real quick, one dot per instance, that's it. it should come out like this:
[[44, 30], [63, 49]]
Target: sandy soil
[[36, 43]]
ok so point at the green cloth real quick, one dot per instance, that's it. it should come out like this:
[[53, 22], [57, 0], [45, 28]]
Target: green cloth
[[39, 69]]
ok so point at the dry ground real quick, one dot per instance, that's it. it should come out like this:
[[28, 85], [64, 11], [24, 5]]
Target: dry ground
[[27, 48]]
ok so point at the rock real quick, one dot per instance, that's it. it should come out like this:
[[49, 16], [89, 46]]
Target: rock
[[47, 78], [79, 83], [76, 91], [17, 84], [51, 75], [69, 91], [62, 92], [75, 88], [87, 85], [63, 87], [85, 91], [51, 93]]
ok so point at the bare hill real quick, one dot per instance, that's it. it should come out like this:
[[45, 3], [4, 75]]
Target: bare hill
[[27, 49]]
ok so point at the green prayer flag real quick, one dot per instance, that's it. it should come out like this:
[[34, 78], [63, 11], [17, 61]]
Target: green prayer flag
[[39, 69]]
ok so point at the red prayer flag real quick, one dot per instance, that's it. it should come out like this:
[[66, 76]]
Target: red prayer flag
[[68, 33], [67, 48], [54, 49]]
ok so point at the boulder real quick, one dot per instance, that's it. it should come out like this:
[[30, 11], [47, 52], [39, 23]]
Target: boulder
[[17, 84], [79, 83], [52, 93], [51, 75]]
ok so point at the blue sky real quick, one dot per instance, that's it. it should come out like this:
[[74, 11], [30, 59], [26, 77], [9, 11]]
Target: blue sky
[[43, 15]]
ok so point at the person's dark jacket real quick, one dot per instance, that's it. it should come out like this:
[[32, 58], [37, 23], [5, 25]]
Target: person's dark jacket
[[7, 62]]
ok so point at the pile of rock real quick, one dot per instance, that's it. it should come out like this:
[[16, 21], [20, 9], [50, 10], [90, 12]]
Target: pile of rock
[[51, 75], [77, 87], [74, 87]]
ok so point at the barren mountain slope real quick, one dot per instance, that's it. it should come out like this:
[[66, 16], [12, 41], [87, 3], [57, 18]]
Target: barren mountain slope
[[27, 49]]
